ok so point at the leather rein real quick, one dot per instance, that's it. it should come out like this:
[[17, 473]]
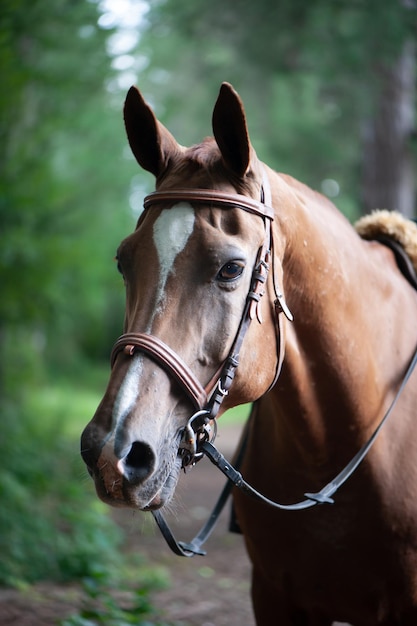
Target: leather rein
[[196, 438]]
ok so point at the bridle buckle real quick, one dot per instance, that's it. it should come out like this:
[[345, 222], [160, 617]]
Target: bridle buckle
[[197, 431]]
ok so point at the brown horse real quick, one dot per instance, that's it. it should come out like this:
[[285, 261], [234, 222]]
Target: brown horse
[[189, 275]]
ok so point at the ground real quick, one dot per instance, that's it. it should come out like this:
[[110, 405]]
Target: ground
[[203, 591]]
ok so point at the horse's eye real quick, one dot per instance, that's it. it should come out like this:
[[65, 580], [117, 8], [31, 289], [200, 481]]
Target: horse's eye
[[230, 271]]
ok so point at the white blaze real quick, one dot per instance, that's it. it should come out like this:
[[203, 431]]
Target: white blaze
[[171, 232], [128, 392]]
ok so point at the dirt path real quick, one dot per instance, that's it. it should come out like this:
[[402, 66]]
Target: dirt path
[[204, 591]]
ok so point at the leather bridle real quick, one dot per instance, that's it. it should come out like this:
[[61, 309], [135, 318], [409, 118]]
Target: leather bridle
[[208, 399], [195, 437]]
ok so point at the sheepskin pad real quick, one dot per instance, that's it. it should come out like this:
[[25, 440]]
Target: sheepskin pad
[[390, 224]]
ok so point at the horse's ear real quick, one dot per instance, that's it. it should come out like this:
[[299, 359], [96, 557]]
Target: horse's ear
[[231, 131], [151, 143]]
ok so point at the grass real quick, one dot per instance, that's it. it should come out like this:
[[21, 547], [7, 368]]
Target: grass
[[72, 401], [108, 602], [237, 415], [52, 527]]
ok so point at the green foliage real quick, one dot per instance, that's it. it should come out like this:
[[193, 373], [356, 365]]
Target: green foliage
[[321, 37], [64, 185], [113, 604], [308, 72], [51, 524]]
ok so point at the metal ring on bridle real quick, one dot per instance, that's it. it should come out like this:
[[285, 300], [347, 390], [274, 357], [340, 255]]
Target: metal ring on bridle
[[194, 433], [221, 390]]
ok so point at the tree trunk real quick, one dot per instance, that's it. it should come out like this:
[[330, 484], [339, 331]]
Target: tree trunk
[[388, 180]]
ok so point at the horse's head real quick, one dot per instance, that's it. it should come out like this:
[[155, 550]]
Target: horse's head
[[188, 270]]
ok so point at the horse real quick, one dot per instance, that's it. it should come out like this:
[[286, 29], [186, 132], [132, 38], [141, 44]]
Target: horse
[[246, 286]]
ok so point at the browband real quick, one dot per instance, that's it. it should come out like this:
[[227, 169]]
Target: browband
[[204, 196]]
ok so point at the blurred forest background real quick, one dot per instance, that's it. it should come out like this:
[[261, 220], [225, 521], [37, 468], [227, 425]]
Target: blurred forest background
[[329, 88]]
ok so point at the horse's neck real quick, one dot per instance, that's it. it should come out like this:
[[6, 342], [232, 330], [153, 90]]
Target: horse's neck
[[339, 366]]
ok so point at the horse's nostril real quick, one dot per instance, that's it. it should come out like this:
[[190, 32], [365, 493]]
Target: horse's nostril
[[139, 463]]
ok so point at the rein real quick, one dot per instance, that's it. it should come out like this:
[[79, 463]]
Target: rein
[[235, 479], [195, 437]]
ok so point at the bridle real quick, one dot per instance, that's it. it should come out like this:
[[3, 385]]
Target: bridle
[[208, 399], [196, 438]]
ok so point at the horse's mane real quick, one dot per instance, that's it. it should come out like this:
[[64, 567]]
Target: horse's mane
[[204, 154], [205, 164], [390, 224]]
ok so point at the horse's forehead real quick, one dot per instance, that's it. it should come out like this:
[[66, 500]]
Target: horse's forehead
[[171, 232]]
